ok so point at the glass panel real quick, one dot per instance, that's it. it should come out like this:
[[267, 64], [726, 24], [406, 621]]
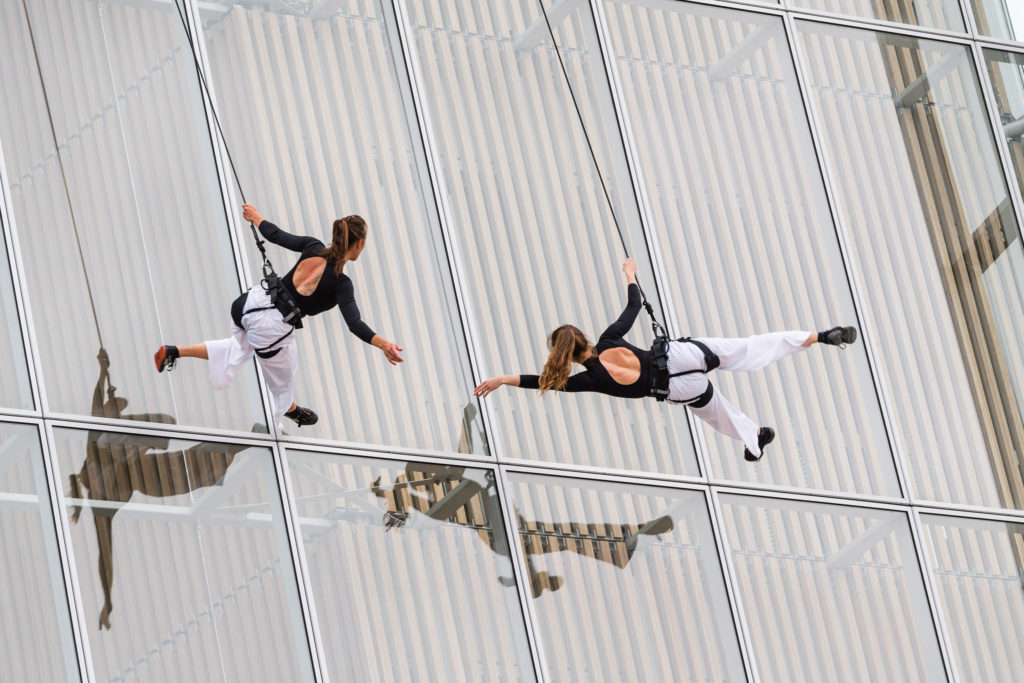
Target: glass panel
[[140, 255], [941, 14], [320, 95], [195, 579], [538, 242], [978, 567], [626, 582], [1000, 18], [15, 390], [411, 571], [935, 240], [35, 634], [847, 580], [733, 214]]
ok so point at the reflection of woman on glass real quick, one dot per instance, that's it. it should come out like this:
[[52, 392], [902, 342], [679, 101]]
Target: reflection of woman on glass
[[316, 284], [617, 368]]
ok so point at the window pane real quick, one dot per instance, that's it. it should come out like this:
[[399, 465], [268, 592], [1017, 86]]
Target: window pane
[[423, 544], [935, 241], [734, 214], [942, 14], [141, 255], [35, 633], [195, 579], [537, 240], [626, 582], [848, 582], [978, 567], [15, 391], [999, 18], [318, 119]]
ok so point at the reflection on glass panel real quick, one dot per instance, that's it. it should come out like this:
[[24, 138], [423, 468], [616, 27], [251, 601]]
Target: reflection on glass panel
[[35, 633], [133, 250], [626, 582], [848, 582], [182, 558], [1000, 18], [935, 241], [15, 391], [978, 567], [538, 242], [734, 214], [315, 111], [410, 570], [943, 14]]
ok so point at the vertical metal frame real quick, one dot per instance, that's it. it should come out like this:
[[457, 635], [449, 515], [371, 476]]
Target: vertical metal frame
[[931, 590], [847, 254], [438, 182], [21, 298]]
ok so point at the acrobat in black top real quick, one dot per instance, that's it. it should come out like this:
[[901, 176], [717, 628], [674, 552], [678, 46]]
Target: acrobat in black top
[[596, 377], [330, 291]]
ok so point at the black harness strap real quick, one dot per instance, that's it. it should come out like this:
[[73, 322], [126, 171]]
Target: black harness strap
[[661, 377]]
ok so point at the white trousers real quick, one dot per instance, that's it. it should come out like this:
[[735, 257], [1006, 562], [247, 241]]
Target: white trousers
[[751, 353], [263, 328]]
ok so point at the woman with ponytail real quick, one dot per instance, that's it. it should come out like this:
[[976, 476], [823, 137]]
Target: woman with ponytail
[[266, 316], [615, 367]]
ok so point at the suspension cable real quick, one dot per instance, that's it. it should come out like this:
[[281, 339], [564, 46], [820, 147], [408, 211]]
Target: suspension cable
[[657, 326]]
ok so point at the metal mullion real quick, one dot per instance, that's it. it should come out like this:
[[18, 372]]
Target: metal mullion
[[654, 251], [969, 21], [520, 569], [912, 30], [315, 442], [932, 593], [732, 588], [20, 284], [437, 180], [164, 429], [847, 254], [988, 95], [1000, 44], [17, 412], [968, 510], [303, 584], [220, 159], [969, 514], [65, 548], [336, 448]]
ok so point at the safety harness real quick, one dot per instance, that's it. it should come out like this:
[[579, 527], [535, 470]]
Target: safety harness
[[661, 377]]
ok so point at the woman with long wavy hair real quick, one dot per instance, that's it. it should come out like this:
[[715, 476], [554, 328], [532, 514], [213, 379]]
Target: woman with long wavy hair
[[615, 367], [264, 325]]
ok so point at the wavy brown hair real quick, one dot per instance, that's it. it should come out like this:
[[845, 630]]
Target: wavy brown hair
[[345, 231], [567, 343]]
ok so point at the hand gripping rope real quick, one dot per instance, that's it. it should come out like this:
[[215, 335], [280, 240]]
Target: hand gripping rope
[[659, 348]]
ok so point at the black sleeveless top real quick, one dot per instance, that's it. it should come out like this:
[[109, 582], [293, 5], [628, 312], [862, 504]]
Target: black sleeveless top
[[596, 377]]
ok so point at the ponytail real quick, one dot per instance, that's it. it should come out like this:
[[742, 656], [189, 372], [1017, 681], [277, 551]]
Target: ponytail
[[566, 343], [344, 232]]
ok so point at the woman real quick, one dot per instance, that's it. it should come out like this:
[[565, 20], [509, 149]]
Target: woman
[[315, 284], [617, 368]]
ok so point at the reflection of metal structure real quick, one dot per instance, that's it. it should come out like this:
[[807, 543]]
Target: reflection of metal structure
[[115, 467], [446, 494]]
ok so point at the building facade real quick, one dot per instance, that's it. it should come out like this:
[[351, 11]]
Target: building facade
[[770, 165]]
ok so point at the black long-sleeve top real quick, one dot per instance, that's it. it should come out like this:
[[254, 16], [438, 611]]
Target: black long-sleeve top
[[332, 290], [596, 377]]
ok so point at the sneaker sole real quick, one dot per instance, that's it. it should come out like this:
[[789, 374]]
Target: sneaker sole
[[160, 358], [849, 335]]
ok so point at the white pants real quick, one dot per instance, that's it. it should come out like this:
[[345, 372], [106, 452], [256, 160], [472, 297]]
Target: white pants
[[752, 353], [263, 328]]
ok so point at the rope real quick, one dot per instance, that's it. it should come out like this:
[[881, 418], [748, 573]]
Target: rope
[[267, 267], [111, 389], [659, 330]]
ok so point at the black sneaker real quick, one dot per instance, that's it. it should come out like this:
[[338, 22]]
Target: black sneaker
[[765, 435], [838, 336], [302, 416], [165, 357]]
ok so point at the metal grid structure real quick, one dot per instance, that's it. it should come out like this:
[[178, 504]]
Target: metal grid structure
[[905, 510]]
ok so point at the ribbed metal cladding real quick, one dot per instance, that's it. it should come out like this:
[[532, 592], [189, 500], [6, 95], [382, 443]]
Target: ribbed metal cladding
[[140, 173], [314, 115], [931, 228], [535, 234], [740, 212], [15, 391], [941, 14], [450, 614]]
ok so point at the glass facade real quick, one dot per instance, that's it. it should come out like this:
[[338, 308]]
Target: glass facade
[[770, 166]]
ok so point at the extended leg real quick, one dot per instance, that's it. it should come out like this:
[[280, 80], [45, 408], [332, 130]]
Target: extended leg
[[724, 418], [759, 351]]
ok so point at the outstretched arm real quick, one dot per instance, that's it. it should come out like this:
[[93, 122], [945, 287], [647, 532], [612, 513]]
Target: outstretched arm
[[621, 327], [583, 381], [274, 234], [350, 312]]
